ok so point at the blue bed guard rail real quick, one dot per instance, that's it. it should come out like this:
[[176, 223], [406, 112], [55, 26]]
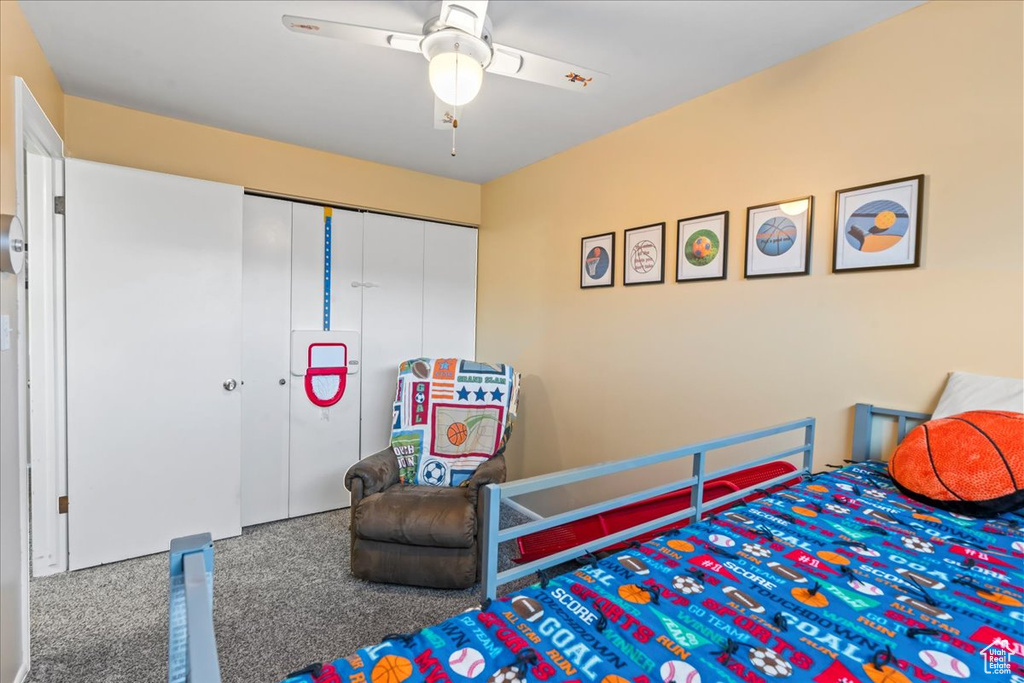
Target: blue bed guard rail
[[192, 648], [494, 494]]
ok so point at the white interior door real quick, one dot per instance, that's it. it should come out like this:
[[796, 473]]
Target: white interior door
[[449, 291], [324, 442], [392, 317], [266, 331], [154, 273]]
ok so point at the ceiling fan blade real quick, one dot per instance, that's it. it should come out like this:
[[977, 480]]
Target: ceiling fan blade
[[508, 61], [444, 114], [410, 42], [405, 41], [465, 15]]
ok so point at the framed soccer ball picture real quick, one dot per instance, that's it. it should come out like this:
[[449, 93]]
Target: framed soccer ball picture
[[702, 247], [597, 261], [779, 238], [879, 225], [643, 261]]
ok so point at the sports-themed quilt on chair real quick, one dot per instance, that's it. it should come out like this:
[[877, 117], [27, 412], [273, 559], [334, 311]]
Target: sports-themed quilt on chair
[[837, 579], [450, 415]]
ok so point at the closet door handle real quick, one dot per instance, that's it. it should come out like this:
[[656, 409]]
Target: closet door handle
[[370, 284], [357, 284]]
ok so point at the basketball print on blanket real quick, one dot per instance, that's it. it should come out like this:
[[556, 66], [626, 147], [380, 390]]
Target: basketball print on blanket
[[391, 669]]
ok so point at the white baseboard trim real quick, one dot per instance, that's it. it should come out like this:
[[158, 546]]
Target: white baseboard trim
[[22, 674]]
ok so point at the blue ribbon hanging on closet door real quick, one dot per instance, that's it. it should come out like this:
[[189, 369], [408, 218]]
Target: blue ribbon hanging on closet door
[[327, 268]]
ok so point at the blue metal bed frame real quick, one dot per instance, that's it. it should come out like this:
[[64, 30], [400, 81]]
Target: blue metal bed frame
[[193, 648], [865, 416]]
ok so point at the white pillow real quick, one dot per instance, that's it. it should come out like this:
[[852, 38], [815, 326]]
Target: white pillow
[[966, 391]]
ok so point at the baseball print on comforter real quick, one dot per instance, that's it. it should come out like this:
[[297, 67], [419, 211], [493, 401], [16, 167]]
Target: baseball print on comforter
[[837, 579]]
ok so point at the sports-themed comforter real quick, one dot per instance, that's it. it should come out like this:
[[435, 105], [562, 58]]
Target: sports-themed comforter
[[837, 579]]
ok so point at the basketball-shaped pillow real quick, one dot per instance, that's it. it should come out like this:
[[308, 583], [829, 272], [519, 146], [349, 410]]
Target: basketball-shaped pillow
[[971, 463]]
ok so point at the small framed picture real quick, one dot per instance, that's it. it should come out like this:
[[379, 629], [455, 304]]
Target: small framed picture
[[879, 225], [702, 247], [597, 261], [779, 238], [644, 262]]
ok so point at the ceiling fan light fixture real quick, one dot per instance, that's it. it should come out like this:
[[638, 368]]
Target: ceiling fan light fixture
[[455, 78], [457, 61]]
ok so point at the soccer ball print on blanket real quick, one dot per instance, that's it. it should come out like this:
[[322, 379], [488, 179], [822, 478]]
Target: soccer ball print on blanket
[[450, 415]]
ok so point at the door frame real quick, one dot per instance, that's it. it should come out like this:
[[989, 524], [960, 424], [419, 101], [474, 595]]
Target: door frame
[[45, 345], [32, 130]]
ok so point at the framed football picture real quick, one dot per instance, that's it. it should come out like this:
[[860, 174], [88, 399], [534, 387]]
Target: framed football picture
[[879, 225], [597, 260], [702, 247], [644, 255], [779, 238]]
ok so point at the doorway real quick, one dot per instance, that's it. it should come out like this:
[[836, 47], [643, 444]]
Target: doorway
[[39, 153]]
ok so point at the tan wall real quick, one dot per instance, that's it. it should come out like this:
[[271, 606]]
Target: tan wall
[[613, 373], [126, 137], [20, 55]]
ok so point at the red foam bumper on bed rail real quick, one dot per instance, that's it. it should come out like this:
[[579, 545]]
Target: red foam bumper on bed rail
[[550, 541]]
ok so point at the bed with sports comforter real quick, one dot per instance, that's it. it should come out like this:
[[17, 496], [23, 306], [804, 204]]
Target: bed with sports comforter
[[839, 578]]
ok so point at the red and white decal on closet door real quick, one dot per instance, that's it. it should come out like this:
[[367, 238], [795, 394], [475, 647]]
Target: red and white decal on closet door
[[326, 373]]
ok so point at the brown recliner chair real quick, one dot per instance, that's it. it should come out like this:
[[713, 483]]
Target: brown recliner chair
[[416, 535]]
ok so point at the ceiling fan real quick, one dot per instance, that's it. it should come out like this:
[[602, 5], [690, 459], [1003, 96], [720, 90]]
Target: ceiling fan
[[457, 43]]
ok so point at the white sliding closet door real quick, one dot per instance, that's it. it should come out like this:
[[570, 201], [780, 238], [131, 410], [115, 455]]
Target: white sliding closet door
[[392, 288], [154, 275], [266, 334], [449, 291], [324, 442]]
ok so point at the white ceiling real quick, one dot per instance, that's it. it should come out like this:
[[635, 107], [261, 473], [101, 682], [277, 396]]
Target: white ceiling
[[233, 65]]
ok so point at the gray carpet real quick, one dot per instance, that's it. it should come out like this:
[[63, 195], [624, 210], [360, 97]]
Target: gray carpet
[[283, 597]]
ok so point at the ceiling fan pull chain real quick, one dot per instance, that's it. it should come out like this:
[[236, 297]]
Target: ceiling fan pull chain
[[455, 112]]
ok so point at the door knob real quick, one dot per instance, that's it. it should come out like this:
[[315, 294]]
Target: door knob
[[282, 381], [230, 384]]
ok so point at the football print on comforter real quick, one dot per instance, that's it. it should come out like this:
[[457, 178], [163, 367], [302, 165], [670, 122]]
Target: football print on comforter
[[839, 578]]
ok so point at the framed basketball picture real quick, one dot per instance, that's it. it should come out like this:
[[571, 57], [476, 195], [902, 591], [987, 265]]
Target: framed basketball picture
[[779, 238], [644, 255], [702, 247], [879, 225], [597, 259]]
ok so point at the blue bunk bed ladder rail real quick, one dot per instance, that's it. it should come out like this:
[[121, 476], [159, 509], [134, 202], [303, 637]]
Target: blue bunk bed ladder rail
[[179, 645]]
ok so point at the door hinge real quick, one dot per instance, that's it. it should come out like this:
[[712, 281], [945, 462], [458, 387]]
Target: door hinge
[[58, 205], [62, 505]]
